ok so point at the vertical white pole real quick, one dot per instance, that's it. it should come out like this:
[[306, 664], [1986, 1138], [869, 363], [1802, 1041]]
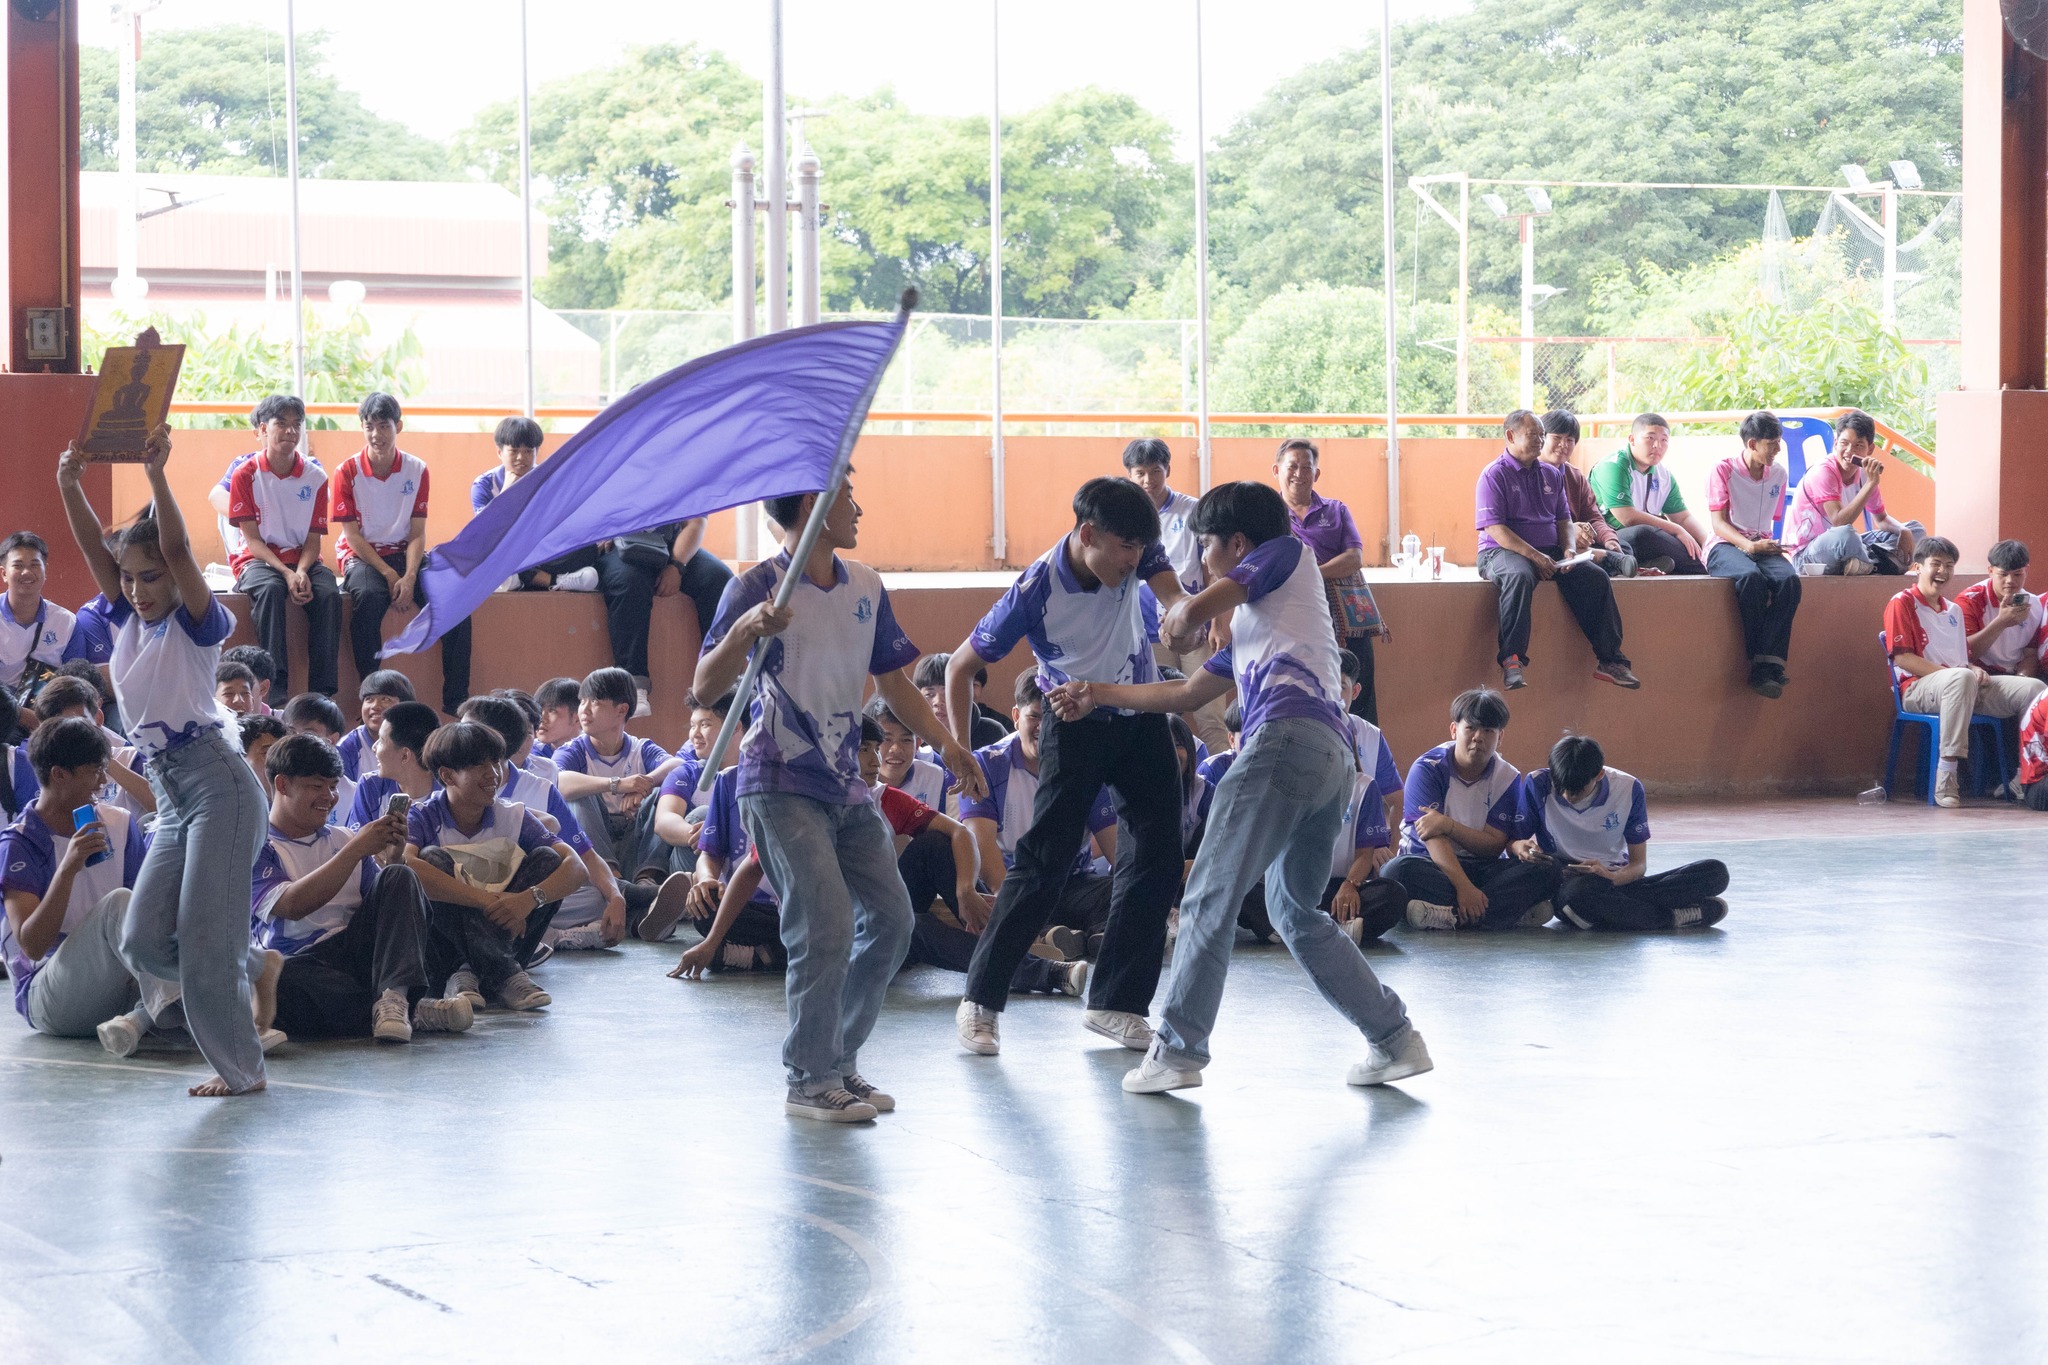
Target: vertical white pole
[[1387, 272], [526, 205], [1201, 268], [1000, 542], [807, 282], [1528, 388], [1464, 295], [1891, 253], [125, 272], [291, 122], [742, 243], [776, 175]]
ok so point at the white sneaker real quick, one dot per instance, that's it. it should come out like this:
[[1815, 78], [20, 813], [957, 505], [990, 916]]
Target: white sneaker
[[1539, 915], [581, 939], [522, 992], [389, 1018], [1424, 915], [270, 1039], [509, 585], [453, 1015], [1411, 1058], [1856, 568], [1071, 978], [120, 1036], [577, 580], [1120, 1026], [736, 957], [462, 982], [1354, 929], [1948, 792], [1153, 1076], [978, 1029], [641, 705]]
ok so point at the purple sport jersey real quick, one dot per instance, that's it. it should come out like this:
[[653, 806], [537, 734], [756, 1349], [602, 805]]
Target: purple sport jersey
[[1530, 502], [1326, 528]]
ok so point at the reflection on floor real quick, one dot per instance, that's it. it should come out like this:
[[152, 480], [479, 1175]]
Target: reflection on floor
[[1820, 1134]]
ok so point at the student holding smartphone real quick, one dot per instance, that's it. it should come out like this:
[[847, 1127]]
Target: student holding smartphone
[[2007, 626], [1824, 531]]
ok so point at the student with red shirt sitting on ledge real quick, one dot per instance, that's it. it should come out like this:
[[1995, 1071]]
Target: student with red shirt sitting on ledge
[[1923, 632], [277, 501], [380, 504], [2007, 625]]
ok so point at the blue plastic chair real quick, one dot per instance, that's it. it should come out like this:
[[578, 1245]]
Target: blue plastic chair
[[1988, 728], [1801, 433]]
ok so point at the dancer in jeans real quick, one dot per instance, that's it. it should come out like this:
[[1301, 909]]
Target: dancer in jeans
[[845, 915], [188, 918], [1277, 811]]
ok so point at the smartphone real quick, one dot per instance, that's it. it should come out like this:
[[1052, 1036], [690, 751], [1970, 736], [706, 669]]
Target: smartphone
[[86, 815], [1856, 460], [398, 803]]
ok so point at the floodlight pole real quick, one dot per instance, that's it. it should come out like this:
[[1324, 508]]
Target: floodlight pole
[[1527, 222], [1387, 193], [1891, 253], [1202, 445], [742, 243], [526, 203], [1461, 223], [807, 281], [291, 122], [999, 542], [776, 169]]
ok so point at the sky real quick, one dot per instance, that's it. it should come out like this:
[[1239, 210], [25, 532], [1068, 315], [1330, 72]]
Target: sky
[[431, 64]]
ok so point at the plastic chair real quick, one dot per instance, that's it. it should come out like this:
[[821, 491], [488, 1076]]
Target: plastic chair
[[1990, 728]]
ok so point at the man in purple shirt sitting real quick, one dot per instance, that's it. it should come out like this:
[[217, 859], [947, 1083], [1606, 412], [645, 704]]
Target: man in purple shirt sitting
[[1525, 530]]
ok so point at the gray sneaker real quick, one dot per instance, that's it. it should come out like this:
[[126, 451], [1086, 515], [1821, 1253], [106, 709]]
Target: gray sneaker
[[462, 982], [667, 911], [1070, 979], [522, 992], [828, 1106], [1061, 944], [388, 1018], [1429, 915], [1380, 1066], [452, 1015], [1120, 1026], [857, 1086]]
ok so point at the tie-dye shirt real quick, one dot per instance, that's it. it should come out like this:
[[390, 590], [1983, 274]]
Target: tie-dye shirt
[[1282, 654]]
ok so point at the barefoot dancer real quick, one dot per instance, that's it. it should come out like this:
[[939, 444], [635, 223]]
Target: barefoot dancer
[[188, 918]]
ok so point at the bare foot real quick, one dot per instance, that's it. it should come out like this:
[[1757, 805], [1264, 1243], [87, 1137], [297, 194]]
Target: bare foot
[[263, 989], [213, 1087]]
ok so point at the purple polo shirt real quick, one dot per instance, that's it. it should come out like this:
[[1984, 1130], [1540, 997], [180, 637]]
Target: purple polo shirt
[[1326, 528], [1530, 502]]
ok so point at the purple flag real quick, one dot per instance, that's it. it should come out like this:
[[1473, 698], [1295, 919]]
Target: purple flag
[[763, 419]]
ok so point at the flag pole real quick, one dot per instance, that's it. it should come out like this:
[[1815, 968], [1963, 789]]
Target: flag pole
[[842, 465]]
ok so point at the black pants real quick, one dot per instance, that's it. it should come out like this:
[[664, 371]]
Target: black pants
[[1586, 590], [269, 596], [1381, 904], [327, 990], [370, 597], [628, 589], [1367, 702], [462, 934], [1767, 595], [1656, 548], [1646, 903], [1512, 887], [756, 926], [1134, 756], [2035, 795]]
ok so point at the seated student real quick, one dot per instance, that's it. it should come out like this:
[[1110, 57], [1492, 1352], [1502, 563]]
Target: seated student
[[1590, 531], [609, 777], [1823, 526], [1218, 762], [1590, 822], [543, 768], [1643, 505], [36, 635], [377, 694], [2007, 625], [1525, 531], [278, 503], [2033, 778], [684, 797], [309, 713], [1461, 811], [64, 695], [261, 664], [1148, 463], [558, 699], [18, 784], [397, 762], [347, 914], [731, 903], [1744, 493], [1931, 656], [258, 734], [929, 677], [492, 871], [901, 768], [234, 687]]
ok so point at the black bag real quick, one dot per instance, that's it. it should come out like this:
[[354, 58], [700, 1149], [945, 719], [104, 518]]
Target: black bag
[[648, 550]]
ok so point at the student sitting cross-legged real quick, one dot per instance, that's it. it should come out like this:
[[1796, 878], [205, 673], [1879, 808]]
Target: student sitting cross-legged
[[1591, 822], [347, 914], [309, 713], [610, 778], [900, 766], [1462, 807], [1931, 655], [493, 872], [731, 903], [685, 793], [395, 762]]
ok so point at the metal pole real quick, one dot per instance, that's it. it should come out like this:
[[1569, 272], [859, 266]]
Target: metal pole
[[126, 277], [291, 123], [1464, 295], [742, 243], [999, 543], [526, 204], [807, 282], [1387, 273], [1891, 253], [776, 172], [1201, 269], [1528, 391]]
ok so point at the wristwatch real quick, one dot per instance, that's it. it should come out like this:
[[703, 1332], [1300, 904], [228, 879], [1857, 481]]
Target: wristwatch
[[538, 899]]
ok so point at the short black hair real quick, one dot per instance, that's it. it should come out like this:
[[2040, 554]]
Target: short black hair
[[1646, 420], [930, 671], [2008, 555], [1301, 443], [302, 756], [230, 670], [559, 692], [787, 509], [528, 707], [1576, 762], [275, 406], [1762, 426], [464, 744], [1183, 741], [67, 742], [1517, 419], [721, 707], [519, 432], [1233, 718], [310, 708], [379, 407], [25, 540], [1119, 507], [1148, 450], [870, 731], [387, 682], [1559, 422], [1858, 421], [1347, 664], [413, 724], [878, 709], [500, 715], [89, 674], [1482, 708], [260, 660], [1933, 546], [259, 726], [614, 685], [63, 692], [1027, 692], [1254, 510]]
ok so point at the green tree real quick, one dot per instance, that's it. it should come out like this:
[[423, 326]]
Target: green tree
[[211, 101]]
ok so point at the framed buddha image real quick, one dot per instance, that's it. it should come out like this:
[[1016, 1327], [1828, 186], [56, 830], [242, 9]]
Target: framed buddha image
[[132, 398]]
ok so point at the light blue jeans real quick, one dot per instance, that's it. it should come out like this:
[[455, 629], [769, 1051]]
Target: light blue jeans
[[188, 919], [1275, 814], [845, 925], [1836, 546]]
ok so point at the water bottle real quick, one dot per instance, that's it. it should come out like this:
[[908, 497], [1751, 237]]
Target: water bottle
[[1411, 553]]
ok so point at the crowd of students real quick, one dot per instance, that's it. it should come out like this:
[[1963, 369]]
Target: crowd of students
[[188, 859]]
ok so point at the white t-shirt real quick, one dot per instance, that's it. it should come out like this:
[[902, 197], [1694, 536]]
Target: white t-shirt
[[1077, 633], [163, 674], [44, 637], [1750, 504]]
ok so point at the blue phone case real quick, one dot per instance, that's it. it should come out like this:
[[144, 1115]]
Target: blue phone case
[[86, 815]]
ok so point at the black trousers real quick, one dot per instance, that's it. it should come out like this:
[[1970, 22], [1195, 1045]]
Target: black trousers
[[1381, 904], [461, 935], [1645, 903], [1587, 591], [756, 926], [269, 597], [370, 597], [628, 589], [327, 990], [1512, 886], [2035, 795], [1134, 757], [1656, 548], [1767, 595]]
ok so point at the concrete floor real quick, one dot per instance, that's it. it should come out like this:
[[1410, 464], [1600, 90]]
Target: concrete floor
[[1821, 1134]]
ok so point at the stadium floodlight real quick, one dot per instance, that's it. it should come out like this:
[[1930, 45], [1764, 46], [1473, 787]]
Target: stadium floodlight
[[1855, 176], [1906, 175], [1496, 203], [1539, 198]]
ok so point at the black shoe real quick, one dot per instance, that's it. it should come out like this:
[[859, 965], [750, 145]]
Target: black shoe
[[1511, 676], [1765, 681]]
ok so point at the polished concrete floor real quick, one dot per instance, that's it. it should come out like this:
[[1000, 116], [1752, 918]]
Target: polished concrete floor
[[1820, 1134]]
